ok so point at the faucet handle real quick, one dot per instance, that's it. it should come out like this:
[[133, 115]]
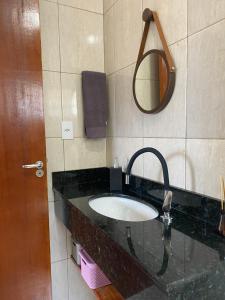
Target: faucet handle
[[167, 219], [167, 201]]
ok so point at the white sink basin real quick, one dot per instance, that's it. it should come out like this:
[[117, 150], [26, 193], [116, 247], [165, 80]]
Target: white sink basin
[[123, 208]]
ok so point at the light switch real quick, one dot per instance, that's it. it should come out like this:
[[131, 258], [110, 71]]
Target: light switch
[[67, 130]]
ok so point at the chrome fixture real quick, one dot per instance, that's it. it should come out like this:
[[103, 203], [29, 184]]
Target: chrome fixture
[[168, 194], [37, 165], [168, 197]]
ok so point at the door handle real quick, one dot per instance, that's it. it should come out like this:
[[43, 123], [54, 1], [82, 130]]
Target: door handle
[[38, 165]]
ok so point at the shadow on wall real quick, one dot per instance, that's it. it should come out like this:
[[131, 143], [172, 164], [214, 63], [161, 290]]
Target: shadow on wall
[[188, 165]]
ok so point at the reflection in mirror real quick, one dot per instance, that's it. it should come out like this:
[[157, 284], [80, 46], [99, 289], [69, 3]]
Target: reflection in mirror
[[151, 81]]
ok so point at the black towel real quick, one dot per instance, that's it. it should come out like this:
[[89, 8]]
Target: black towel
[[95, 103]]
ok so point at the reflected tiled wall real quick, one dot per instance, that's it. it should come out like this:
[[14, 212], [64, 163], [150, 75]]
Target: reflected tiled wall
[[72, 41], [190, 131]]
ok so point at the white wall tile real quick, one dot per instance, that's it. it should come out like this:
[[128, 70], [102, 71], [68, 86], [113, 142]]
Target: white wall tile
[[163, 124], [173, 17], [59, 280], [206, 83], [205, 164], [128, 31], [129, 120], [123, 149], [49, 35], [82, 153], [203, 13], [93, 5], [78, 289], [58, 236], [72, 102], [81, 45], [52, 103], [173, 151]]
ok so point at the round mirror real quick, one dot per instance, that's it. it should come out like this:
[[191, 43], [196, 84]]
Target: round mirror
[[153, 83]]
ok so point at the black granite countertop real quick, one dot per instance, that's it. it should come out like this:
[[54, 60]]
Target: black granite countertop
[[185, 261]]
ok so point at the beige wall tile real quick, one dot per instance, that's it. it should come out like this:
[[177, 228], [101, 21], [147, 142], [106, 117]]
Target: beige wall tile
[[206, 83], [163, 124], [173, 17], [78, 289], [153, 40], [109, 152], [60, 280], [49, 182], [129, 120], [128, 31], [93, 5], [109, 41], [123, 149], [58, 237], [72, 102], [54, 149], [55, 161], [206, 164], [49, 36], [52, 103], [82, 153], [112, 105], [81, 45], [107, 4], [173, 151], [203, 13]]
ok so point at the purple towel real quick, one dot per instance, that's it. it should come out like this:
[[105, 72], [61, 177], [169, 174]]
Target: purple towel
[[94, 103]]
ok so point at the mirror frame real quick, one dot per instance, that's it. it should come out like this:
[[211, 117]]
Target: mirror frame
[[170, 83]]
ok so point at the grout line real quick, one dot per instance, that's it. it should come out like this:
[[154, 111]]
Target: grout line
[[81, 9], [114, 72], [60, 59], [63, 72], [185, 141], [178, 41], [166, 138], [57, 261], [51, 1], [60, 137], [45, 70], [206, 27], [104, 12], [186, 96]]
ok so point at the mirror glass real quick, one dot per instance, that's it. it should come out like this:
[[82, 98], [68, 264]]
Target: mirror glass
[[151, 81]]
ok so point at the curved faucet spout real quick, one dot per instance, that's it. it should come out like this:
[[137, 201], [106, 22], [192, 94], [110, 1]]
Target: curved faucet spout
[[168, 195], [158, 155]]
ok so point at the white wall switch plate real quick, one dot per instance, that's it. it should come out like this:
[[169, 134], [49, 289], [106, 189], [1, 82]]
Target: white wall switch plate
[[67, 130]]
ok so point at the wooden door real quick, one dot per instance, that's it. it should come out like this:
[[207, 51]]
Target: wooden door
[[24, 233]]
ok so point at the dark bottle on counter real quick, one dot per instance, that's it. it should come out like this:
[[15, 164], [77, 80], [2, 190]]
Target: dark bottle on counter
[[115, 178]]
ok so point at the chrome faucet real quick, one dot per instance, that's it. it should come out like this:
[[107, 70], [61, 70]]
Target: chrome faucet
[[168, 194]]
